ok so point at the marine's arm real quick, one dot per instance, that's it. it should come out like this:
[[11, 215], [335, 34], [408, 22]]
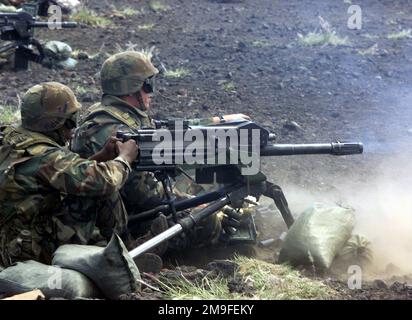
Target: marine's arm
[[68, 173], [108, 152], [141, 191], [89, 141]]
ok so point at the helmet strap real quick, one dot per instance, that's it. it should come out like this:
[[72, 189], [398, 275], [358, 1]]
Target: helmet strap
[[57, 135], [139, 98]]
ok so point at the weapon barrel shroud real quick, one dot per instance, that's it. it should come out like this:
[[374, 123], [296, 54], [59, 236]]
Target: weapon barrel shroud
[[63, 25], [334, 148]]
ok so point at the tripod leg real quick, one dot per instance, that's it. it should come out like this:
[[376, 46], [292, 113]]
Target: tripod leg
[[20, 60], [275, 192]]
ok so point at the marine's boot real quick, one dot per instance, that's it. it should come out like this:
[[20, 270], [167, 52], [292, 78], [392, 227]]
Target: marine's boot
[[149, 262], [158, 226]]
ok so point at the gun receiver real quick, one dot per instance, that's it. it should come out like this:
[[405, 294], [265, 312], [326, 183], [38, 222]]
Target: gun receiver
[[220, 138]]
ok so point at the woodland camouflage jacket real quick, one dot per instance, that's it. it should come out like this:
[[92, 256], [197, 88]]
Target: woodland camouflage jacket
[[35, 175]]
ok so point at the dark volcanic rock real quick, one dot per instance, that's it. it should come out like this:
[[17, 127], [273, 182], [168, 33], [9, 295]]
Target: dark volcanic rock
[[224, 267]]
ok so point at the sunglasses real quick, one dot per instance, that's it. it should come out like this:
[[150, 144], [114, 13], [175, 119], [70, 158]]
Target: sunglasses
[[149, 85]]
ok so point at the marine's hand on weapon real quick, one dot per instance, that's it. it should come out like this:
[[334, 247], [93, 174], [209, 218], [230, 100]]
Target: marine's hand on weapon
[[108, 152], [231, 117], [233, 219], [127, 150]]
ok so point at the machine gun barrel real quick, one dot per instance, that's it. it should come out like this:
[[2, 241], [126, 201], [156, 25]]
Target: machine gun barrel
[[56, 25], [9, 17], [334, 148], [6, 18]]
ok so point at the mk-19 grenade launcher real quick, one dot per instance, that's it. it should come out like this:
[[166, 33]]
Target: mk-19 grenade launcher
[[233, 187]]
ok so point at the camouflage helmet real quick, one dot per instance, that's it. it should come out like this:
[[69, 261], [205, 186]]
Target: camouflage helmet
[[124, 73], [47, 106]]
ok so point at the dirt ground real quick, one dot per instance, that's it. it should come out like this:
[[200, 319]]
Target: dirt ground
[[245, 57]]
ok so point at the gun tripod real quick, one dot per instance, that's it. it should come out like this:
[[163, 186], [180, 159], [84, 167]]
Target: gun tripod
[[228, 195]]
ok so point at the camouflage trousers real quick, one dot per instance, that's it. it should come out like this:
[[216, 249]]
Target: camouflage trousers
[[20, 241]]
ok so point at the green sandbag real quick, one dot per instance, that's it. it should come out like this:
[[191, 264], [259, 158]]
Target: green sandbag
[[112, 269], [53, 282], [317, 236], [7, 9]]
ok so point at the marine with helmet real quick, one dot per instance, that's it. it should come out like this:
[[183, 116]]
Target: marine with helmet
[[37, 172], [127, 81]]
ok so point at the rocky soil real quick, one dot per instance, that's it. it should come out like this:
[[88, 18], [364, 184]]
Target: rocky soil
[[246, 57]]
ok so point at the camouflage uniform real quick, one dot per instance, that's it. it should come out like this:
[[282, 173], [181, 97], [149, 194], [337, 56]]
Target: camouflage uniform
[[102, 121], [37, 175]]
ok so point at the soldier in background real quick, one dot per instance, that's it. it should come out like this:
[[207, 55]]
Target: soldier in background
[[37, 172]]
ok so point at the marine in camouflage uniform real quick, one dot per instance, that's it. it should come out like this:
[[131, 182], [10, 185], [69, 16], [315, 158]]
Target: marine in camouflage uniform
[[37, 173], [121, 75], [124, 74]]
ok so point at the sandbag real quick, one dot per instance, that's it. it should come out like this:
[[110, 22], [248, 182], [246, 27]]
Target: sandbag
[[7, 9], [317, 236], [110, 268], [58, 54], [54, 282]]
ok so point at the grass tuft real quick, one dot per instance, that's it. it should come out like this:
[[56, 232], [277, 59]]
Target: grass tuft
[[158, 6], [322, 38], [326, 36], [403, 34], [262, 43], [206, 289], [228, 86], [373, 50], [371, 36], [128, 11], [275, 281], [9, 114], [89, 17], [268, 281], [80, 90], [147, 26], [177, 73]]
